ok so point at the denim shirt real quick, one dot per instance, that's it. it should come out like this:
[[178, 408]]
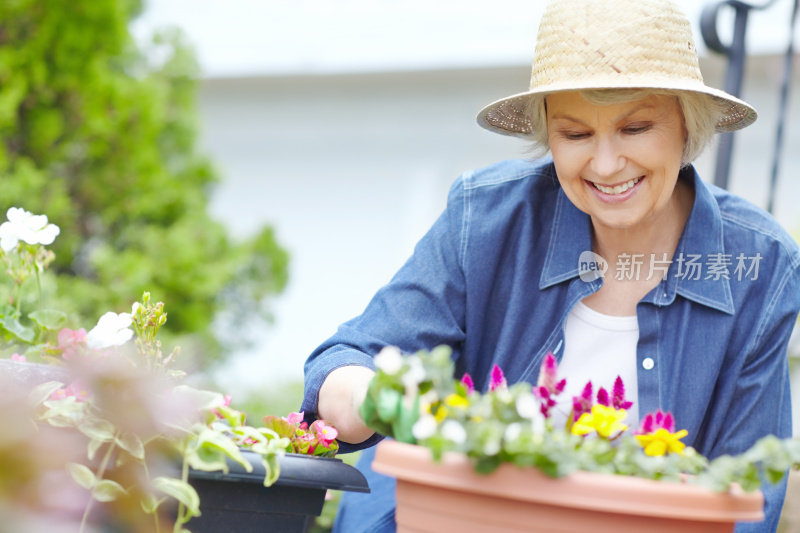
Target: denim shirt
[[497, 274]]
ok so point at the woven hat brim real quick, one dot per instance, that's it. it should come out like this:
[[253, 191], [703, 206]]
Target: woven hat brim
[[508, 116]]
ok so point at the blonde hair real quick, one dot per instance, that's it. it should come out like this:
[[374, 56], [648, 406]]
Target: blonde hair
[[701, 113]]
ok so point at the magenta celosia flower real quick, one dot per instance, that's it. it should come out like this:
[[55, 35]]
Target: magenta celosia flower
[[70, 341], [548, 386], [618, 400], [498, 379], [655, 421], [468, 383], [548, 375], [583, 403], [602, 397]]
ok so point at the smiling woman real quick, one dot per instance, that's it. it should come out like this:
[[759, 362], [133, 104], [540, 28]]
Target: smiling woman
[[695, 314]]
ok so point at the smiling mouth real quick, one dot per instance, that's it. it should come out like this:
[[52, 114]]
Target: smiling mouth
[[617, 189]]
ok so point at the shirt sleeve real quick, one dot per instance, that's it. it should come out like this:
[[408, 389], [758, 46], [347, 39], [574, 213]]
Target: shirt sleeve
[[420, 308], [762, 401]]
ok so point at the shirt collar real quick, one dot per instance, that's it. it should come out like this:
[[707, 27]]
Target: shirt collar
[[571, 234]]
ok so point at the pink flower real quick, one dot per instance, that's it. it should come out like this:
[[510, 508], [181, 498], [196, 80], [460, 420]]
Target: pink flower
[[75, 389], [498, 379], [618, 401], [70, 341], [19, 358], [468, 383], [583, 403], [325, 433], [655, 421], [294, 418], [226, 402]]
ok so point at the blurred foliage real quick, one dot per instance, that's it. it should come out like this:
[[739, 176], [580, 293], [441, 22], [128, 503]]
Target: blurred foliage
[[99, 134]]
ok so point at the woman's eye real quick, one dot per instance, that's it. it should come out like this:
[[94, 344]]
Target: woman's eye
[[633, 129], [574, 135]]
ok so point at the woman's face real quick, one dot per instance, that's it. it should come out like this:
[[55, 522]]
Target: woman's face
[[619, 162]]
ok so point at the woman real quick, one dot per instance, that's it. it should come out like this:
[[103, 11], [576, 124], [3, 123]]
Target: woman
[[700, 290]]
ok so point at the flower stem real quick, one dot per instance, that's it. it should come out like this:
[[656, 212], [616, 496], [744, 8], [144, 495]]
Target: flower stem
[[100, 472]]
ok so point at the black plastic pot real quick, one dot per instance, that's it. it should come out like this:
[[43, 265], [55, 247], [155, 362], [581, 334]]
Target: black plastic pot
[[238, 501]]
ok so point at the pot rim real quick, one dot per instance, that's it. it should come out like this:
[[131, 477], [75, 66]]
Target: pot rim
[[587, 490]]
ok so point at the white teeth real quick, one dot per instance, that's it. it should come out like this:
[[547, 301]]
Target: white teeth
[[619, 189]]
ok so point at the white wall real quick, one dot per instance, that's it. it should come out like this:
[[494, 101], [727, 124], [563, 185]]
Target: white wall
[[352, 169]]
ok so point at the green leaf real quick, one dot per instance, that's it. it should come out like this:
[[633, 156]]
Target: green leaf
[[94, 445], [272, 468], [150, 503], [82, 475], [49, 319], [280, 426], [98, 429], [42, 392], [15, 328], [388, 404], [107, 490], [218, 441], [181, 491], [131, 444]]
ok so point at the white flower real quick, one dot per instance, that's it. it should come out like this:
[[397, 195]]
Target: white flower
[[415, 373], [25, 226], [454, 432], [424, 428], [513, 431], [389, 360], [528, 406], [111, 330]]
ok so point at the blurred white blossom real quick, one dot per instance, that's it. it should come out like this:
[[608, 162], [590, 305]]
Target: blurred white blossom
[[111, 330], [390, 360], [424, 428], [25, 226], [453, 431]]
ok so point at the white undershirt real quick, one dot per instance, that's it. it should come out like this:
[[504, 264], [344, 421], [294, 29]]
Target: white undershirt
[[598, 348]]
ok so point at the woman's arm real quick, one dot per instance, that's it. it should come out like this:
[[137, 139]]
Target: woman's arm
[[340, 396]]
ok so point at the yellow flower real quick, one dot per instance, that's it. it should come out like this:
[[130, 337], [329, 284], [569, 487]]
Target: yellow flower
[[438, 410], [454, 400], [662, 442], [606, 421]]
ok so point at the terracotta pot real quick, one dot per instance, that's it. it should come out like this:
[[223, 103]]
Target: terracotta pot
[[450, 496]]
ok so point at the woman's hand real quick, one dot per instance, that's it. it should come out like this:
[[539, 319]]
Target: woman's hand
[[340, 397]]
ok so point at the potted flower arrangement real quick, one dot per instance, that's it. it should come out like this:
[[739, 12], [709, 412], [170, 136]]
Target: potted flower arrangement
[[105, 421], [466, 461]]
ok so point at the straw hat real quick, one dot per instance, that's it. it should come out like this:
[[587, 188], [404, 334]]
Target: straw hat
[[607, 44]]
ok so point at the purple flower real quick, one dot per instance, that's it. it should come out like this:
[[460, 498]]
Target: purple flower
[[498, 379]]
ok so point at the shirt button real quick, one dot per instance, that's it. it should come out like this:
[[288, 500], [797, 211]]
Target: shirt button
[[648, 363]]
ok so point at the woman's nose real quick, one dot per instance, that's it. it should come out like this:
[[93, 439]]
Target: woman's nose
[[607, 159]]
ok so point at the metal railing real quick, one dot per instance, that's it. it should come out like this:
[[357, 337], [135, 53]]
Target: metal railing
[[735, 52]]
